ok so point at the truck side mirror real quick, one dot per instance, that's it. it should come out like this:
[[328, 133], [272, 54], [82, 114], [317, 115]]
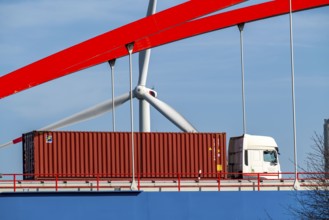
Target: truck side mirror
[[277, 150]]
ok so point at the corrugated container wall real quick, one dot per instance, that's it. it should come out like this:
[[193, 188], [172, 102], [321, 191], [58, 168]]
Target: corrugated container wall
[[108, 155]]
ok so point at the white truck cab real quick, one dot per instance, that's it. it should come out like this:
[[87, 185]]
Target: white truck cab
[[251, 154]]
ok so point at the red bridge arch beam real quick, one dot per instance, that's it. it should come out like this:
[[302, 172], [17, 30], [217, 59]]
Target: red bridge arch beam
[[99, 49], [94, 51], [228, 19]]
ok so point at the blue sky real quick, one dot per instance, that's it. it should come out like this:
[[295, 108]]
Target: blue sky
[[200, 77]]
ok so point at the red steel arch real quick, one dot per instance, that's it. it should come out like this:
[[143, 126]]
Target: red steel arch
[[161, 28]]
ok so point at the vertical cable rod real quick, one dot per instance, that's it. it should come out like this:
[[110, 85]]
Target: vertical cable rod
[[130, 50], [241, 26], [296, 184], [112, 63]]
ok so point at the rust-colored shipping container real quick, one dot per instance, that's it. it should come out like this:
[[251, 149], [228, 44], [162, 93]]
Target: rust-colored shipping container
[[66, 155]]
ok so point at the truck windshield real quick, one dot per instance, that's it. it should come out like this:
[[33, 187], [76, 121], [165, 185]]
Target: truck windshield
[[270, 156]]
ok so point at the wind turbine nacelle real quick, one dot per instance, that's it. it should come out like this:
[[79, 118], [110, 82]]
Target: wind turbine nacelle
[[140, 92]]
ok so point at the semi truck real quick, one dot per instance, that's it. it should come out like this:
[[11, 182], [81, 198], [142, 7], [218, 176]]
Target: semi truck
[[157, 155]]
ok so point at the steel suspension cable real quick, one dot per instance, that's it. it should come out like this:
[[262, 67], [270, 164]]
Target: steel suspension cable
[[296, 184], [133, 183], [112, 63], [241, 26]]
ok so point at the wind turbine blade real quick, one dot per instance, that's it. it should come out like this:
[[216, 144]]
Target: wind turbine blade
[[170, 113], [144, 60], [144, 56], [89, 113], [151, 8], [15, 141], [6, 144], [84, 115]]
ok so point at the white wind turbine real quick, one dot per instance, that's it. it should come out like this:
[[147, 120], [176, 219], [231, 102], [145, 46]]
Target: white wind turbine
[[145, 95]]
